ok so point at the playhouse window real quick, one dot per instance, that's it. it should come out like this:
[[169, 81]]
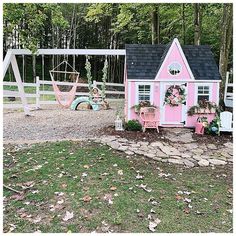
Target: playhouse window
[[203, 93], [144, 93], [174, 68]]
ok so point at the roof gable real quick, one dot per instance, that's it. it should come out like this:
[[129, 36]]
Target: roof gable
[[175, 55], [143, 61]]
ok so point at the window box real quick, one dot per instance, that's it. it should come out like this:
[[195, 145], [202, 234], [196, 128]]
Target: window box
[[204, 107], [204, 110]]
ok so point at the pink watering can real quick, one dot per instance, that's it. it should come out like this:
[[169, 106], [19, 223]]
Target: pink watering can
[[199, 128]]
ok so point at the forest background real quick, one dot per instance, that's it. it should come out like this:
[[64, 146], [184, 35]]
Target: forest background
[[111, 26]]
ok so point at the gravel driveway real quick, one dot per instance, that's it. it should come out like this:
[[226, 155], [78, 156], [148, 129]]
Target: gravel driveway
[[55, 123]]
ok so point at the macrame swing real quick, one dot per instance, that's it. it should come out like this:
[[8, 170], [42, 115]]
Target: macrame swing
[[65, 99]]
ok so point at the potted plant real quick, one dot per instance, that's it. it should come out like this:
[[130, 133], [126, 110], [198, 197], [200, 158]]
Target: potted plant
[[203, 107], [137, 107]]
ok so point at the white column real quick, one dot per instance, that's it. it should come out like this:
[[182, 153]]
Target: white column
[[20, 85], [37, 93]]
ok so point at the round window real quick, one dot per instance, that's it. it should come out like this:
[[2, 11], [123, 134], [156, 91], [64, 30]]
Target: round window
[[174, 68]]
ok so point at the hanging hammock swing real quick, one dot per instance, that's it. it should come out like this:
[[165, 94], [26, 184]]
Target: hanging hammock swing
[[65, 99]]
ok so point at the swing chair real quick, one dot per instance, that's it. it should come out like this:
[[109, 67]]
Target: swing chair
[[65, 99], [98, 98]]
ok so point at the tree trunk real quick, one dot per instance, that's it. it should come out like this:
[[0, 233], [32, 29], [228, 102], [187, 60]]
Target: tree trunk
[[197, 24], [226, 39], [183, 24], [155, 25]]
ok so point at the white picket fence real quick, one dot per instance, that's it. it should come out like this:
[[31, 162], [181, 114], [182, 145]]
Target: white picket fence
[[39, 93]]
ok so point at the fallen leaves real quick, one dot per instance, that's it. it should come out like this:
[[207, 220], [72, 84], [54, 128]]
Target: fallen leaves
[[113, 188], [18, 197], [84, 174], [35, 168], [104, 174], [187, 210], [164, 175], [144, 187], [26, 185], [59, 193], [12, 228], [178, 197], [138, 176], [64, 185], [87, 198], [37, 220], [68, 216], [61, 201], [153, 224]]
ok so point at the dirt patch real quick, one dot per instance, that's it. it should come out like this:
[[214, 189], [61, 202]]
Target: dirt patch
[[151, 135], [207, 138]]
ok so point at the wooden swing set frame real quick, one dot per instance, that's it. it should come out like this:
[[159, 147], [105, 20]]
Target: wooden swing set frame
[[10, 58]]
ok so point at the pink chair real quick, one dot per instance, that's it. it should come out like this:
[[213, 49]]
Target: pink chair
[[150, 118]]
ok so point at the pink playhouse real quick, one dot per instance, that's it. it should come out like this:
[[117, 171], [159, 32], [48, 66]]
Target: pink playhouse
[[173, 78]]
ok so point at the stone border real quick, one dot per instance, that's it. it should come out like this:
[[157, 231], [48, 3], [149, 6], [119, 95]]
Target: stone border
[[187, 154]]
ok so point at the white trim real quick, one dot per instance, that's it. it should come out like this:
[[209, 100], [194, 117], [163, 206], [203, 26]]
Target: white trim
[[162, 110], [217, 94], [172, 123], [137, 94], [196, 91], [175, 41], [174, 80], [58, 51], [129, 100]]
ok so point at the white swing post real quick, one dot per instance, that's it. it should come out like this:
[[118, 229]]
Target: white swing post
[[11, 58]]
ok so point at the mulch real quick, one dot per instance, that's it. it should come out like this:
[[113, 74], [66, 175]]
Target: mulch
[[151, 135]]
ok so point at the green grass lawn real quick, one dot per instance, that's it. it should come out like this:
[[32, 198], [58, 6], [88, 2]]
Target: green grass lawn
[[103, 189]]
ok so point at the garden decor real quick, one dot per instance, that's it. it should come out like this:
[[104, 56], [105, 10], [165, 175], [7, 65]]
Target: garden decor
[[142, 104], [226, 122], [203, 107], [175, 95], [150, 118], [118, 124], [200, 125]]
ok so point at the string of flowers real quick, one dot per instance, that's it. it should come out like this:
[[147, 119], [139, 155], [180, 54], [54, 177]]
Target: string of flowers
[[89, 75], [174, 99], [104, 78]]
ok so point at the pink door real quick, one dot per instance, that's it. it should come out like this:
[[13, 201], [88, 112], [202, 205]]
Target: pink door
[[173, 115]]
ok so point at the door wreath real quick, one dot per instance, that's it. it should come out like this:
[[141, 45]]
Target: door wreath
[[175, 95]]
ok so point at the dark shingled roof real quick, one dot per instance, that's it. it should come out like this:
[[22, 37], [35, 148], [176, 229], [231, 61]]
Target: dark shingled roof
[[144, 60]]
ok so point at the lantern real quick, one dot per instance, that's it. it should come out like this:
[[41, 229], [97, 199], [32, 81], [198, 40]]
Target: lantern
[[118, 124]]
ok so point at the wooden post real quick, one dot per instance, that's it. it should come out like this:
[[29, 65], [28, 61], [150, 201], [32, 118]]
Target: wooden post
[[20, 85], [37, 93]]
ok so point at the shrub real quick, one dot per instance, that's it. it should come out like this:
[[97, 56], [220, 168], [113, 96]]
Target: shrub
[[133, 125]]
